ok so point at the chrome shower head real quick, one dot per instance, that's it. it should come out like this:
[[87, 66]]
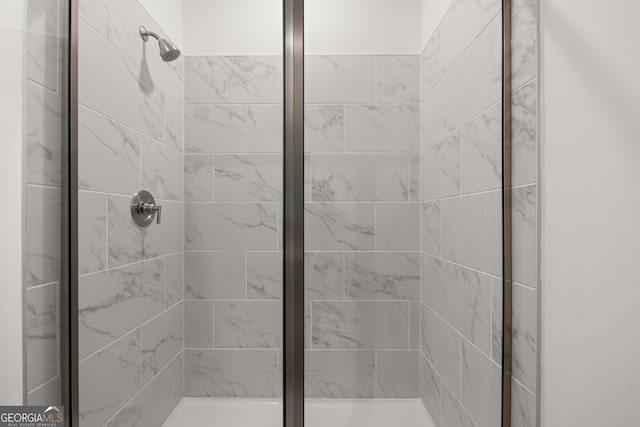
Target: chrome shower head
[[168, 51]]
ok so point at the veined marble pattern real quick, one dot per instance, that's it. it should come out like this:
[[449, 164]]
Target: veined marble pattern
[[167, 237], [360, 324], [43, 136], [215, 128], [116, 369], [525, 134], [174, 278], [396, 374], [481, 393], [47, 393], [42, 235], [523, 409], [104, 147], [94, 13], [174, 122], [340, 374], [339, 79], [156, 400], [496, 58], [340, 226], [44, 66], [441, 345], [125, 238], [497, 291], [414, 177], [324, 275], [92, 241], [232, 79], [391, 237], [198, 324], [383, 276], [441, 169], [214, 275], [524, 43], [265, 133], [432, 59], [248, 324], [42, 17], [361, 177], [231, 226], [462, 297], [113, 302], [414, 320], [452, 413], [524, 228], [264, 275], [324, 128], [41, 334], [397, 78], [160, 341], [382, 128], [430, 386], [198, 178], [162, 170], [248, 178], [431, 241], [481, 151], [231, 373], [524, 336]]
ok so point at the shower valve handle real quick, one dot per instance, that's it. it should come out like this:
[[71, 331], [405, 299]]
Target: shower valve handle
[[144, 209], [150, 209]]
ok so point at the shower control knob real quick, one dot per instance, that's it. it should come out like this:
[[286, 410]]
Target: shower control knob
[[144, 209]]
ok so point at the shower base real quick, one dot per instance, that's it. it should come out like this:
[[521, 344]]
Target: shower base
[[211, 412]]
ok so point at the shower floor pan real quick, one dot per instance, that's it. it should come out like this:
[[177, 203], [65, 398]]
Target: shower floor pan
[[212, 412]]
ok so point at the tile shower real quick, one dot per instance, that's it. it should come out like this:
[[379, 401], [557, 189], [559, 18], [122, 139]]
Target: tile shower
[[403, 245]]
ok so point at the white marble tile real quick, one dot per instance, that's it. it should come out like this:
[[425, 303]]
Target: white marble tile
[[264, 275], [174, 278], [324, 128], [414, 322], [161, 340], [43, 63], [461, 94], [339, 374], [174, 122], [110, 83], [382, 127], [524, 146], [496, 319], [125, 239], [397, 78], [198, 177], [232, 79], [108, 379], [265, 133], [462, 297], [156, 400], [324, 275], [359, 177], [339, 79], [525, 326], [396, 374], [168, 236], [47, 394], [215, 128], [360, 324], [431, 241], [472, 231], [441, 169], [452, 413], [94, 13], [162, 170], [430, 388], [113, 302], [481, 393], [523, 406], [470, 17], [104, 147], [41, 335], [248, 324], [198, 324], [214, 275], [42, 16], [524, 42], [43, 225], [481, 151], [248, 178], [441, 345], [496, 58], [414, 177], [524, 238], [433, 63], [43, 128], [231, 373], [340, 226], [382, 275], [397, 226], [92, 230], [231, 226]]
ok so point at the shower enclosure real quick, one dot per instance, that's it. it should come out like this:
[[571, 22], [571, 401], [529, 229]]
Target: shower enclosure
[[283, 213]]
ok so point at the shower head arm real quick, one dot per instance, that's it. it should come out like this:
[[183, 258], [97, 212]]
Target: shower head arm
[[144, 33]]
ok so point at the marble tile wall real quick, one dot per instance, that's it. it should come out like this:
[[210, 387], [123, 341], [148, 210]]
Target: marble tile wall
[[460, 209], [43, 197], [131, 289]]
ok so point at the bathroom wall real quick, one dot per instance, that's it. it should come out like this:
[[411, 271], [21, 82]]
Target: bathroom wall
[[461, 215], [12, 80], [43, 198], [131, 307]]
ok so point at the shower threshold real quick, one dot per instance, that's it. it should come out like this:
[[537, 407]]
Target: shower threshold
[[236, 412]]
